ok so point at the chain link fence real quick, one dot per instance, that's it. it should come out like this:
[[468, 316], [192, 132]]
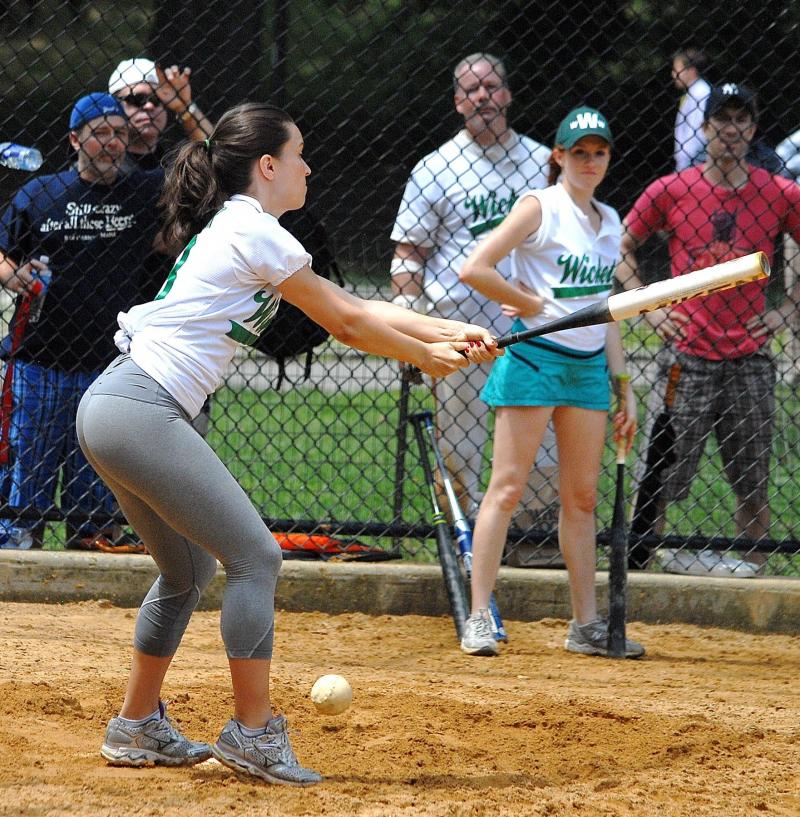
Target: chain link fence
[[322, 443]]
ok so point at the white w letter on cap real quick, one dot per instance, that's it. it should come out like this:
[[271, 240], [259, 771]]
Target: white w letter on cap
[[586, 120]]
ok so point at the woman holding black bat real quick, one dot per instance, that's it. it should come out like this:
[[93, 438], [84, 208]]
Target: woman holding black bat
[[564, 247], [223, 198]]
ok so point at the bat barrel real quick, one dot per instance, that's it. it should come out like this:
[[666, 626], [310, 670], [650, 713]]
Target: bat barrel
[[654, 296], [662, 294]]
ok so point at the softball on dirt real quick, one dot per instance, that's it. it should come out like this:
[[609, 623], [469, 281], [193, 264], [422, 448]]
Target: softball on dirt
[[331, 694]]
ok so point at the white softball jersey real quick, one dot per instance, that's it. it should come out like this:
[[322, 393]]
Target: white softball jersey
[[454, 197], [568, 264], [219, 295]]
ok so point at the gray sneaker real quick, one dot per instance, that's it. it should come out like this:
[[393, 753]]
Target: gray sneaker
[[478, 638], [704, 563], [592, 639], [268, 756], [156, 741]]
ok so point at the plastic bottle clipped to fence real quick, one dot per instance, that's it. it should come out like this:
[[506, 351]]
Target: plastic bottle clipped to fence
[[41, 282], [19, 157]]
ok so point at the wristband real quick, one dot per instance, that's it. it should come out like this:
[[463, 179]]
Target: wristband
[[407, 265], [192, 111]]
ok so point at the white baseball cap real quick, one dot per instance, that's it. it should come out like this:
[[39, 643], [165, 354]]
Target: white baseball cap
[[132, 72]]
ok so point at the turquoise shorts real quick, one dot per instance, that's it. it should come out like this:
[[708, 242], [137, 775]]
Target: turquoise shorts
[[539, 372]]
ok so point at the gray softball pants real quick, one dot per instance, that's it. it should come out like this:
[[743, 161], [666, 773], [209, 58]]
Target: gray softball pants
[[188, 510]]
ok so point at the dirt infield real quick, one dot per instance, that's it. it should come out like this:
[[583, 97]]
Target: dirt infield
[[707, 724]]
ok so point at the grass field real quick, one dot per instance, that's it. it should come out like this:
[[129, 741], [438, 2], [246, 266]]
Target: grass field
[[310, 455]]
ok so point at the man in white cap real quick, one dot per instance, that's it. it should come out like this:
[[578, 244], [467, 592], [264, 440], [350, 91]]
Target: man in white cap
[[146, 93]]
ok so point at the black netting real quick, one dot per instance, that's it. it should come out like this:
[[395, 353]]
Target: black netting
[[321, 440]]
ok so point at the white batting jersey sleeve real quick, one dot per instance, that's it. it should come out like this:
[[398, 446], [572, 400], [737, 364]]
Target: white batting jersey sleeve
[[220, 294], [569, 264], [453, 198]]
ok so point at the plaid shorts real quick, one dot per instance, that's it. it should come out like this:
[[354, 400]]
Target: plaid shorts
[[734, 399]]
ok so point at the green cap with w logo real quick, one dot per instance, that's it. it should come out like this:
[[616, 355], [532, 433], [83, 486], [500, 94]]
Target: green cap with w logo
[[582, 122]]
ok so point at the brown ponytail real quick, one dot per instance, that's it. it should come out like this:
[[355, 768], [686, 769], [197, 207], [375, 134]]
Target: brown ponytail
[[204, 174]]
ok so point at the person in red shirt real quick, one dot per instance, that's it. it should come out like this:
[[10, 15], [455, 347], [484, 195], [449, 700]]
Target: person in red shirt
[[722, 209]]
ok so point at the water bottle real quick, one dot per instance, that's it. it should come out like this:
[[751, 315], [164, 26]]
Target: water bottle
[[19, 157], [16, 539], [41, 281]]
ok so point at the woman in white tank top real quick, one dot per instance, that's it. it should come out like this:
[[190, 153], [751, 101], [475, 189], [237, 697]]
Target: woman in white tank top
[[564, 247]]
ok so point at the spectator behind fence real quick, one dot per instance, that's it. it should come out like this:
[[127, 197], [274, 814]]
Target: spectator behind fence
[[454, 196], [788, 152], [720, 344], [688, 66], [146, 92], [95, 225], [759, 154], [222, 199], [564, 247]]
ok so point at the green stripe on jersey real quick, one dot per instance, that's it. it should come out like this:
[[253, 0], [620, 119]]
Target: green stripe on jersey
[[173, 273], [578, 292], [479, 229], [241, 335]]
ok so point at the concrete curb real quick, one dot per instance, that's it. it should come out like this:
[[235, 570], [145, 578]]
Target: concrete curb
[[397, 588]]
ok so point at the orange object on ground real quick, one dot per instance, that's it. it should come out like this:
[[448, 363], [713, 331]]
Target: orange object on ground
[[321, 546]]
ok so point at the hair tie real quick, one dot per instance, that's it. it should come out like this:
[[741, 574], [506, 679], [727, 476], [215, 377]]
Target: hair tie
[[207, 145]]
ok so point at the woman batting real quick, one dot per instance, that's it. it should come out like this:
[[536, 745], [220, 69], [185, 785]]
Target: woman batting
[[222, 201], [564, 246]]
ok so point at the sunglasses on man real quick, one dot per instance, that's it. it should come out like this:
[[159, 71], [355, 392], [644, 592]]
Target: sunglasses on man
[[140, 100]]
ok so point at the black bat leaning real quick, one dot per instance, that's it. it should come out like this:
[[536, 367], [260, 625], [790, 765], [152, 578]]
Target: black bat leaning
[[451, 573], [617, 555], [654, 296]]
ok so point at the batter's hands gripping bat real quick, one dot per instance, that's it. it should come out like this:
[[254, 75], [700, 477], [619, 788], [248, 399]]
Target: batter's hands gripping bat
[[660, 455], [617, 556], [460, 523], [654, 296], [453, 583]]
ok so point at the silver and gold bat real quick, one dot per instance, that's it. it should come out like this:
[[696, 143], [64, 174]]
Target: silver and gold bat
[[654, 296]]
